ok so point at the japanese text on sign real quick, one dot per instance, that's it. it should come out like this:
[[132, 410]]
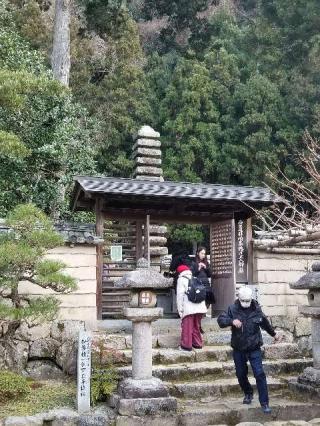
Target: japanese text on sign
[[84, 371], [222, 250]]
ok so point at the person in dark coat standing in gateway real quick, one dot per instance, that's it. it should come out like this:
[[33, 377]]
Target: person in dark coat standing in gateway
[[201, 269], [200, 266], [246, 318]]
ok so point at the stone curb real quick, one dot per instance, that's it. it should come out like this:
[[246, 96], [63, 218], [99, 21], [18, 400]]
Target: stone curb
[[63, 417]]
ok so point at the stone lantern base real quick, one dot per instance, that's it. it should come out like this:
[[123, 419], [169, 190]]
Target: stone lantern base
[[144, 397], [310, 377], [147, 388], [308, 382], [142, 394]]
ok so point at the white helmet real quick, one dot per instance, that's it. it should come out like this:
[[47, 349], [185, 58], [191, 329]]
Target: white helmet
[[245, 296]]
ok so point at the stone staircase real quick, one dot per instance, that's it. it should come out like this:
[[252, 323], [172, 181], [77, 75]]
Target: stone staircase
[[204, 380]]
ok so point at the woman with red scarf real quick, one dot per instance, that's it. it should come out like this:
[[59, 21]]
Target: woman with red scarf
[[190, 313]]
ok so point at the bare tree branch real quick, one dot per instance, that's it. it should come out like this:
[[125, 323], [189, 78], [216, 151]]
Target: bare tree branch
[[298, 213]]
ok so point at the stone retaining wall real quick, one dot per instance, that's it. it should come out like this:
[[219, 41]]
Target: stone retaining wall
[[273, 273], [43, 351]]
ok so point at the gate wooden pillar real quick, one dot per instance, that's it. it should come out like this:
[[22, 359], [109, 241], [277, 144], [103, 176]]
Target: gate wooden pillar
[[146, 245], [100, 217], [139, 241]]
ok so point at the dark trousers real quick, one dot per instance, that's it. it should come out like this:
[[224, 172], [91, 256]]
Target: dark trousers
[[255, 359]]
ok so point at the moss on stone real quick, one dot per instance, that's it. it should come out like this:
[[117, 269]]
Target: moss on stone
[[43, 396]]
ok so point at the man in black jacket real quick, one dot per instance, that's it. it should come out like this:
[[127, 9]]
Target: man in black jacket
[[246, 318]]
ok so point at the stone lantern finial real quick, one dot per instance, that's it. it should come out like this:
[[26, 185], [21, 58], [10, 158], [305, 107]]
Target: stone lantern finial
[[142, 263]]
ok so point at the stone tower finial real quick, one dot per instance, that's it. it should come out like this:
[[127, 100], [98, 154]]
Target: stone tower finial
[[147, 155]]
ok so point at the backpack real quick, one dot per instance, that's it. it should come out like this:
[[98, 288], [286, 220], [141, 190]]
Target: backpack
[[196, 292]]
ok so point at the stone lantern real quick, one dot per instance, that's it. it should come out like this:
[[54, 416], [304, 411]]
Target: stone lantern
[[143, 394], [310, 378]]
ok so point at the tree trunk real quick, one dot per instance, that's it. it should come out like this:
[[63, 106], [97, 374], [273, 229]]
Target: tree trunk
[[60, 59], [60, 62]]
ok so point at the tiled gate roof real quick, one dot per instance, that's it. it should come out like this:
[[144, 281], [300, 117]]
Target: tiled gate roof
[[168, 189]]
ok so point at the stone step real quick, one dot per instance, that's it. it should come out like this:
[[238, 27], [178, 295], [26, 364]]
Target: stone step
[[214, 369], [163, 326], [219, 387], [231, 411], [215, 353], [123, 341]]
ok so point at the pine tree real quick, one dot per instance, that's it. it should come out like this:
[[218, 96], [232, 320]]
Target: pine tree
[[22, 252]]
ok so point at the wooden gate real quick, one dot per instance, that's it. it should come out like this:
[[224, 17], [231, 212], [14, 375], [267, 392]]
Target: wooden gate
[[122, 235], [231, 259]]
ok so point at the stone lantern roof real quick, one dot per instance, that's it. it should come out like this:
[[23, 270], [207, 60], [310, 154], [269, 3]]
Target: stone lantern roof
[[311, 280], [143, 277]]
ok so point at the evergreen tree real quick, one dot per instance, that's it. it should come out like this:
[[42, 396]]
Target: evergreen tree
[[112, 85], [235, 96], [43, 139], [21, 259]]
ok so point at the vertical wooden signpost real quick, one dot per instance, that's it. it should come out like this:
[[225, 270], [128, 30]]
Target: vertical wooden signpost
[[241, 251]]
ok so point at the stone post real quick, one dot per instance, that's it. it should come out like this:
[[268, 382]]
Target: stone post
[[315, 331], [83, 372], [143, 394], [309, 380], [141, 355]]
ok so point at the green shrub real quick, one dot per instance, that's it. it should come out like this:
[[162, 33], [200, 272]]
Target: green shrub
[[104, 378], [103, 383], [12, 386]]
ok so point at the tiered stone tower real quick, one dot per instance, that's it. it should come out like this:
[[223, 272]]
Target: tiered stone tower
[[147, 156]]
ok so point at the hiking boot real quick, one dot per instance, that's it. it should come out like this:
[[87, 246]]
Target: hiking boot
[[266, 409], [248, 398]]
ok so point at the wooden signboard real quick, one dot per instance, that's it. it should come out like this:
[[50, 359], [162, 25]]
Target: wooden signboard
[[222, 244], [116, 253], [231, 259]]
